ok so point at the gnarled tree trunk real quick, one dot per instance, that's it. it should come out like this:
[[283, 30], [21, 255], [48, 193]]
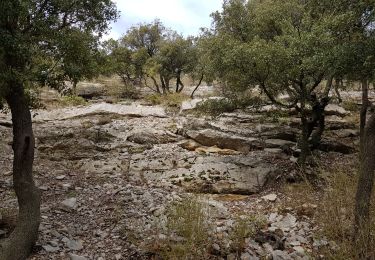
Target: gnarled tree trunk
[[179, 82], [20, 242], [304, 141], [197, 86], [363, 113]]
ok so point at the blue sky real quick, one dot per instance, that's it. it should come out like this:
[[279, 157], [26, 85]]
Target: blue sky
[[183, 16]]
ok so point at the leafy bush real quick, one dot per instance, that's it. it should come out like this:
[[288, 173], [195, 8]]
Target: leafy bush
[[129, 92], [215, 107], [169, 100], [351, 106], [34, 98], [72, 101]]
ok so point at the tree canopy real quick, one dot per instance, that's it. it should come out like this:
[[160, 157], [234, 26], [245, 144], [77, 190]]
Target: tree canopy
[[287, 47], [153, 52], [38, 36]]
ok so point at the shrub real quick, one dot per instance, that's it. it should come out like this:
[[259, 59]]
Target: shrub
[[170, 100], [72, 101], [351, 106], [215, 107], [129, 92]]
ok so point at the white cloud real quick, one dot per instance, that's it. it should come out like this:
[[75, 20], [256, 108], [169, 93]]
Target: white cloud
[[184, 16]]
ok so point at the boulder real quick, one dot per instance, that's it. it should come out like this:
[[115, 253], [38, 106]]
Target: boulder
[[69, 204], [344, 133], [336, 110], [209, 137], [243, 181], [75, 245], [270, 197]]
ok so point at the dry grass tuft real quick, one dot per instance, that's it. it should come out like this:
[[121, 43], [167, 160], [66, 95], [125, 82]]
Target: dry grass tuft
[[336, 217], [187, 230]]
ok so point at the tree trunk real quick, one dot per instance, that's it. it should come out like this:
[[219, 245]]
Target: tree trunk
[[179, 83], [363, 113], [304, 141], [339, 84], [166, 81], [163, 86], [328, 86], [365, 182], [317, 121], [20, 242], [75, 82], [196, 88], [156, 85]]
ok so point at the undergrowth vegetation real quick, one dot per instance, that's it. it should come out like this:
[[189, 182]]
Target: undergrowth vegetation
[[189, 231], [245, 227], [170, 100], [216, 107], [72, 101], [336, 215]]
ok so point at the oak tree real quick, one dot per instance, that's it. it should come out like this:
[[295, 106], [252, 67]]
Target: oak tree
[[31, 31]]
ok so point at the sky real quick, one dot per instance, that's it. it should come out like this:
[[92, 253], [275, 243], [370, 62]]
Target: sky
[[184, 16]]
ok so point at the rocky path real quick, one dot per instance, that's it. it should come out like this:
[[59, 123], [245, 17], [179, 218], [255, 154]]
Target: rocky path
[[108, 173]]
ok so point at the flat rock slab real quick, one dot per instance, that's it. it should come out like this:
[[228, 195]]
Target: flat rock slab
[[230, 174], [333, 109], [278, 143], [152, 136], [209, 137], [133, 110]]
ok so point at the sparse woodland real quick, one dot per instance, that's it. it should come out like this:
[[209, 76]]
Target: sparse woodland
[[253, 140]]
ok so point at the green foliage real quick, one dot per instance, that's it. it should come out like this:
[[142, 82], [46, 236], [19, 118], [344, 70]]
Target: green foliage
[[169, 100], [34, 100], [351, 106], [277, 46], [290, 47], [50, 41], [216, 107], [72, 101], [151, 52]]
